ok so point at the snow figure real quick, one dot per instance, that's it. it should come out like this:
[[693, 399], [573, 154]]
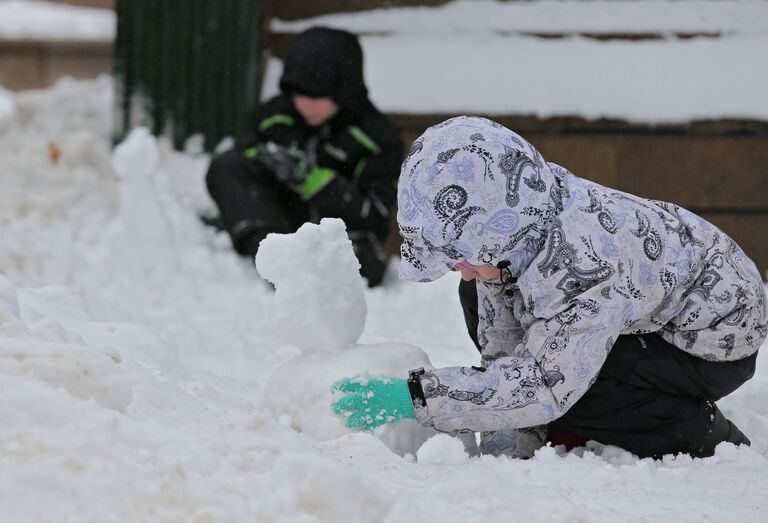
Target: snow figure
[[319, 300], [319, 307], [143, 215]]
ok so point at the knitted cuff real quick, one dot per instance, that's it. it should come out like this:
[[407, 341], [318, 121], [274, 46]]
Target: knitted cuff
[[402, 400]]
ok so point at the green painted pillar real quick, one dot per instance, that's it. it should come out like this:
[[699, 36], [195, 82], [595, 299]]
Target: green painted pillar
[[184, 67]]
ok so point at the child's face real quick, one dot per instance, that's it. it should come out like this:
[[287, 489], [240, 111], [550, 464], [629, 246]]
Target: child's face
[[481, 272], [315, 111]]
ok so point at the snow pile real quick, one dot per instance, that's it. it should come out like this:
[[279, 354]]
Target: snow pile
[[69, 107], [39, 350], [299, 392], [319, 300], [38, 20], [136, 163], [59, 190], [101, 423], [132, 388]]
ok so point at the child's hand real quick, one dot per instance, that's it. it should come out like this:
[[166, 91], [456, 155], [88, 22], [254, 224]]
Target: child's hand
[[370, 402]]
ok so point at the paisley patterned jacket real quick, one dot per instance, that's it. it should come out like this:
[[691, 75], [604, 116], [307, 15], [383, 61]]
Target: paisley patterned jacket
[[590, 263]]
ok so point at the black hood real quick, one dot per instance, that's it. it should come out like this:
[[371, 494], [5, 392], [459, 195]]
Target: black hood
[[326, 62]]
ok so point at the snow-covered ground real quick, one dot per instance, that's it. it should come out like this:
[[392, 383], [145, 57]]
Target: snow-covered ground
[[478, 56], [147, 373], [40, 20]]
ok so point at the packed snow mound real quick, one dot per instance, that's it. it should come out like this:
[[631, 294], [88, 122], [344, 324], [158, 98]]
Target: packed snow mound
[[70, 106], [300, 396], [145, 213], [442, 449], [319, 295], [38, 349]]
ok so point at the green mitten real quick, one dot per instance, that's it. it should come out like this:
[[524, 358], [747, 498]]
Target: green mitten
[[370, 402]]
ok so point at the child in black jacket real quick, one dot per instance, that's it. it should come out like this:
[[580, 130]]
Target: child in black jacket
[[321, 149]]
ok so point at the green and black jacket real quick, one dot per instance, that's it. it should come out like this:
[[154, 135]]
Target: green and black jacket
[[359, 151]]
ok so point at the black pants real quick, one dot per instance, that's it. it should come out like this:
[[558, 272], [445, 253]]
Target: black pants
[[253, 203], [650, 397]]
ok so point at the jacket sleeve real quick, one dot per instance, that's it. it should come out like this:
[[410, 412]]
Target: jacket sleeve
[[365, 199], [558, 360], [273, 121], [499, 329]]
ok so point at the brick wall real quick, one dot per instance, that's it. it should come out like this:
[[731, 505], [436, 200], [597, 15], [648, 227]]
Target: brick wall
[[31, 64]]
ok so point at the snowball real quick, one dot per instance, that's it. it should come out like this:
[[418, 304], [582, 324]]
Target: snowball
[[442, 449], [144, 247], [319, 301]]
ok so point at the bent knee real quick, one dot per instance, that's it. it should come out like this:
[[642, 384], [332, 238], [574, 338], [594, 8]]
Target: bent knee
[[224, 164]]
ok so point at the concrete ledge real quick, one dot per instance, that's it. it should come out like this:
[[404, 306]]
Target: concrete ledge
[[33, 64]]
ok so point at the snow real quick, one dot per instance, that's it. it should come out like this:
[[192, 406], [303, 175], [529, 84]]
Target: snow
[[7, 108], [38, 20], [298, 392], [319, 307], [319, 303], [478, 57], [551, 16], [140, 381], [442, 449]]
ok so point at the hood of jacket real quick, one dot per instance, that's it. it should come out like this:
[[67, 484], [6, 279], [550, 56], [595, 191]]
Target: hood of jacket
[[326, 62], [471, 189]]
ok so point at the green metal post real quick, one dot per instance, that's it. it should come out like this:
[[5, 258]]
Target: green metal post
[[191, 66]]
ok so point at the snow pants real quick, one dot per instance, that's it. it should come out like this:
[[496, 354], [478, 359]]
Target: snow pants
[[253, 203], [650, 397]]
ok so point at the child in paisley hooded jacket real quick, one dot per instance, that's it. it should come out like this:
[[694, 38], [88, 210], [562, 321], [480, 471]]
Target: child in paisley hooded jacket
[[598, 314]]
